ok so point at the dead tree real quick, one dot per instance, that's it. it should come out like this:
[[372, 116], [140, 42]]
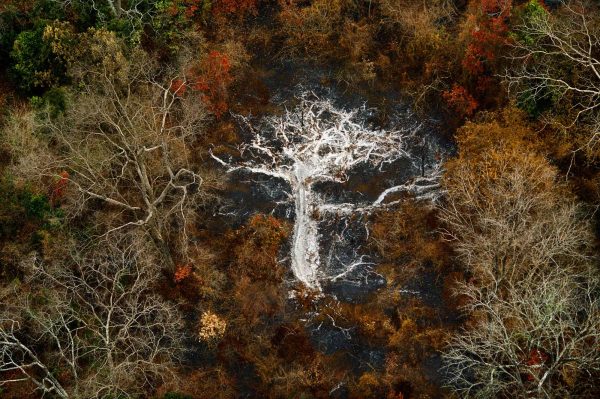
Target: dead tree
[[135, 11], [557, 55], [538, 337], [312, 143]]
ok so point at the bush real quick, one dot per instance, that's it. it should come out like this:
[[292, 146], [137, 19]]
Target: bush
[[54, 101], [20, 205]]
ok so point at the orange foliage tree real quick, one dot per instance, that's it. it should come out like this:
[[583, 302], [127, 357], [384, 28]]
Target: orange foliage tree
[[212, 77], [486, 40], [460, 100], [182, 272], [202, 8]]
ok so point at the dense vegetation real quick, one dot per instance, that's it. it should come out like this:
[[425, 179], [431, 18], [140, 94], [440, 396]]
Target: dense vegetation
[[119, 277]]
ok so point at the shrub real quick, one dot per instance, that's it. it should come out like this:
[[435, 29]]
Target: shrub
[[212, 78], [461, 101], [256, 254]]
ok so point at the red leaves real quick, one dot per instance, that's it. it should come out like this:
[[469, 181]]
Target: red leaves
[[57, 188], [178, 87], [487, 38], [191, 7], [214, 81], [535, 359], [495, 7], [195, 8], [394, 395], [211, 77], [460, 100], [182, 272]]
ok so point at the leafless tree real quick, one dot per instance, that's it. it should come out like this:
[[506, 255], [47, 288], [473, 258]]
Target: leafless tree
[[537, 337], [318, 142], [135, 11], [20, 363], [125, 140], [557, 55], [92, 327]]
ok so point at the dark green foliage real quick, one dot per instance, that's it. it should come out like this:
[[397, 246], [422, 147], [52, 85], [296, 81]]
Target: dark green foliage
[[12, 22], [34, 66], [54, 102], [19, 205], [526, 15], [169, 27], [18, 17], [36, 205], [535, 104]]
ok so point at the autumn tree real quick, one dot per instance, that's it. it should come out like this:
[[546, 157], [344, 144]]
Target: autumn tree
[[532, 297], [421, 31], [310, 30], [212, 78], [500, 194], [241, 7]]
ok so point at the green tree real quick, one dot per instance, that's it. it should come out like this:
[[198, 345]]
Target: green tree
[[34, 64]]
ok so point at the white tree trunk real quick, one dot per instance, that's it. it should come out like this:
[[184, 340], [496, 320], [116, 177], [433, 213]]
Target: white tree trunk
[[305, 241]]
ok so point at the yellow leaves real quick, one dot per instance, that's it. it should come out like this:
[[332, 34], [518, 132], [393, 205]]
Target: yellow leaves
[[569, 373], [494, 148], [356, 39], [61, 37], [403, 335], [96, 47], [507, 210], [369, 385], [212, 328], [407, 237]]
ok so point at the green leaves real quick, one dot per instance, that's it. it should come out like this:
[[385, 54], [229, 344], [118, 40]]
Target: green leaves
[[34, 65], [530, 14]]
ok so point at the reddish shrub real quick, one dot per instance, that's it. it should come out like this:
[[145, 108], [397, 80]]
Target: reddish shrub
[[461, 101], [496, 7], [182, 272], [213, 81], [488, 37], [535, 359], [178, 87], [58, 186], [256, 251], [191, 8]]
